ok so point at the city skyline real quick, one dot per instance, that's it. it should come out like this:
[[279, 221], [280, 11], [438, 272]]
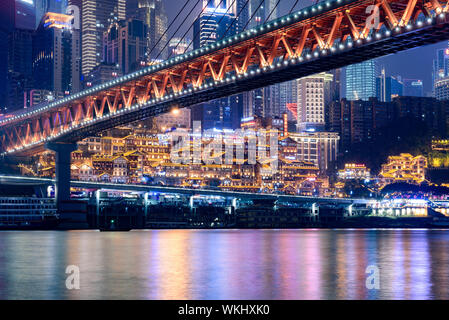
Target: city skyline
[[224, 149]]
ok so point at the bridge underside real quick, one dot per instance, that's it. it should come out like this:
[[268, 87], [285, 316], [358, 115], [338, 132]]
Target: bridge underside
[[331, 38], [356, 54]]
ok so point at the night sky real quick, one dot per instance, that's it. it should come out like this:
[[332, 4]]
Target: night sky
[[411, 64]]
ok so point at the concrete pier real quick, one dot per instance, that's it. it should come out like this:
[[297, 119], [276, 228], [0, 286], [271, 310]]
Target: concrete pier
[[72, 214]]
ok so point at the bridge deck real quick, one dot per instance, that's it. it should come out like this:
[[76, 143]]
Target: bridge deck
[[319, 38]]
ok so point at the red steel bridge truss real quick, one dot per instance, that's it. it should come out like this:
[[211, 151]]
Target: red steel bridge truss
[[318, 38]]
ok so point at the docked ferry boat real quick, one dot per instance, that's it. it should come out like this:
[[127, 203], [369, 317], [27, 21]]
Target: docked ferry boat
[[20, 213]]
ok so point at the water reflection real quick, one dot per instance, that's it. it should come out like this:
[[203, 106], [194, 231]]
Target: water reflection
[[226, 264]]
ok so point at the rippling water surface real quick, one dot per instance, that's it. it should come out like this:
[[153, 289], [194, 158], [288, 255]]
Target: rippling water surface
[[225, 264]]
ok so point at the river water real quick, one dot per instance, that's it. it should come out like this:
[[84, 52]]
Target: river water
[[226, 264]]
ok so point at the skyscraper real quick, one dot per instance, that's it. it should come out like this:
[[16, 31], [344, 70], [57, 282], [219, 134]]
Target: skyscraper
[[52, 53], [19, 14], [17, 22], [96, 17], [288, 99], [125, 44], [361, 80], [262, 102], [440, 66], [44, 6], [152, 13], [441, 88], [312, 91], [19, 62], [388, 87], [214, 24]]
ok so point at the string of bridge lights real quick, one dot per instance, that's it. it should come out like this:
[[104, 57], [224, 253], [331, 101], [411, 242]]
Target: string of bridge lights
[[302, 14], [293, 60]]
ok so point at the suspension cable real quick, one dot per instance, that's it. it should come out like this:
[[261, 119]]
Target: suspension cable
[[197, 34], [238, 16], [219, 21], [293, 7], [166, 30], [252, 16], [272, 11], [182, 23]]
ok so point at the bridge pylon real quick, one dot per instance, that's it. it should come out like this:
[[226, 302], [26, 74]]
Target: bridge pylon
[[71, 213], [63, 152]]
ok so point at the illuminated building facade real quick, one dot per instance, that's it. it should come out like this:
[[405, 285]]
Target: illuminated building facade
[[441, 88], [144, 156], [320, 148], [177, 118], [361, 80], [311, 101], [440, 145], [354, 171], [96, 17], [404, 168], [440, 65], [178, 46], [44, 6], [52, 53]]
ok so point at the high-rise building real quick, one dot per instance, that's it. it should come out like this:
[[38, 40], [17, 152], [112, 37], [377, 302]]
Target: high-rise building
[[53, 55], [388, 87], [19, 76], [17, 21], [321, 148], [312, 91], [441, 88], [440, 65], [288, 96], [96, 17], [44, 6], [125, 44], [357, 121], [214, 24], [19, 14], [413, 88], [152, 13], [264, 102], [361, 80]]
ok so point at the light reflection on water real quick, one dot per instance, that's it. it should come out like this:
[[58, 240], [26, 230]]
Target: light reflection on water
[[225, 264]]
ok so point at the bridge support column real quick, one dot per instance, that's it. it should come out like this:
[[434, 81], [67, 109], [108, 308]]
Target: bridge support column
[[234, 205], [315, 211], [72, 214], [63, 153]]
